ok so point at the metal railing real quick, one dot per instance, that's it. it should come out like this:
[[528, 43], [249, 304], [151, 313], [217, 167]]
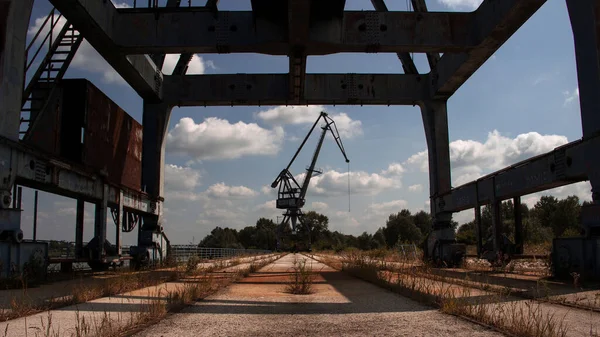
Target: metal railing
[[408, 252], [181, 253]]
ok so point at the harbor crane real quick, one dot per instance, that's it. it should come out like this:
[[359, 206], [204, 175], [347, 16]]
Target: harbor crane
[[291, 195]]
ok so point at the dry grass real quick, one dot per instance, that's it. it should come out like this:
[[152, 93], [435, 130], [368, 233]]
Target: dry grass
[[118, 283], [301, 279], [499, 310], [196, 285]]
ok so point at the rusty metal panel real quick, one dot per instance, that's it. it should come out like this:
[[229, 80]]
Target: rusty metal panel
[[112, 140], [45, 135]]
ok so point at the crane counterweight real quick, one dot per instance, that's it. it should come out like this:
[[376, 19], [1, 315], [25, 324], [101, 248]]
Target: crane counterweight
[[291, 195]]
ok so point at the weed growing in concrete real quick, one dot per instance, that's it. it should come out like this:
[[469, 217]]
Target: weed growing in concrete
[[523, 318], [301, 279]]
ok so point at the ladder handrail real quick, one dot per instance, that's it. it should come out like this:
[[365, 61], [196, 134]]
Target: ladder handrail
[[49, 34], [45, 61]]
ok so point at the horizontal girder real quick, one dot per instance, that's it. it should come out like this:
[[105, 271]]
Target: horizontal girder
[[36, 170], [197, 30], [272, 89], [562, 166]]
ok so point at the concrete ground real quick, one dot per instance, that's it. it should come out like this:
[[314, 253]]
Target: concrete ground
[[118, 310], [340, 306], [577, 322]]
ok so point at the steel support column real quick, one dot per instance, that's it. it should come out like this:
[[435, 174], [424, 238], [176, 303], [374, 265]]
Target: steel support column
[[155, 124], [440, 244], [435, 121], [119, 224], [585, 22], [35, 213], [14, 21], [518, 225], [100, 225], [496, 224], [79, 228]]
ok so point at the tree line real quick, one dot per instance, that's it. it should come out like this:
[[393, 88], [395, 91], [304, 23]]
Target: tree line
[[548, 218]]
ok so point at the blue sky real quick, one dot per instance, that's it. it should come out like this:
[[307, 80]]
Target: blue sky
[[522, 102]]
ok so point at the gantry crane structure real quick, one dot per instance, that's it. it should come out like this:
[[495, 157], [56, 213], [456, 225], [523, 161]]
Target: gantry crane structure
[[60, 155], [291, 196]]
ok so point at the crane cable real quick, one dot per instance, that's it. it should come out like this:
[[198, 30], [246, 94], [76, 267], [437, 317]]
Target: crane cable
[[348, 187]]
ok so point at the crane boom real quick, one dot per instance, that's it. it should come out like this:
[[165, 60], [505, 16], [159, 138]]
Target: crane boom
[[291, 195]]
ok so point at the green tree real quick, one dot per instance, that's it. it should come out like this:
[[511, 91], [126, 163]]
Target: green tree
[[467, 233], [423, 221], [401, 228], [364, 241]]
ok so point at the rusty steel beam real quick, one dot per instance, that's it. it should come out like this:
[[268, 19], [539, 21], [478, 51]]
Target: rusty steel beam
[[40, 171], [432, 58], [298, 36], [495, 22], [408, 65], [198, 30], [94, 20], [562, 166], [272, 89]]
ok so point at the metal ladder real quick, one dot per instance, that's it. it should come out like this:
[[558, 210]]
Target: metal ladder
[[61, 50]]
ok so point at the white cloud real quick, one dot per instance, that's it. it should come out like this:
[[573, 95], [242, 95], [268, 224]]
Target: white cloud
[[220, 190], [387, 208], [461, 4], [394, 169], [571, 96], [268, 190], [282, 115], [121, 5], [415, 188], [333, 183], [179, 178], [216, 138], [197, 66], [470, 159], [319, 206]]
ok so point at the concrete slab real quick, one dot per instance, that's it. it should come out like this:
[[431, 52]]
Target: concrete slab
[[340, 306]]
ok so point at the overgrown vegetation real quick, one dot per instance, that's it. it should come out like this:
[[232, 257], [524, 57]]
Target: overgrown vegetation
[[193, 285], [301, 279], [497, 309], [117, 283]]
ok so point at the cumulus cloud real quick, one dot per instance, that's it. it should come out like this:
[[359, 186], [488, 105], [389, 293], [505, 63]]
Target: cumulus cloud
[[220, 190], [216, 138], [179, 178], [387, 208], [470, 159], [415, 188], [282, 115], [468, 5], [394, 169], [333, 183], [319, 206]]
